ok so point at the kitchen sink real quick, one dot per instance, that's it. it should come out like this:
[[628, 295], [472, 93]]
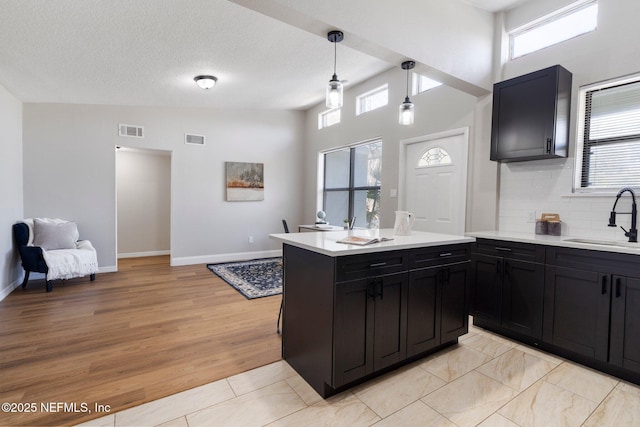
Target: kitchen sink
[[604, 242]]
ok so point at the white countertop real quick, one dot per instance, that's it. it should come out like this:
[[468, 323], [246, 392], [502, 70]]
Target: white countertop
[[620, 246], [325, 242]]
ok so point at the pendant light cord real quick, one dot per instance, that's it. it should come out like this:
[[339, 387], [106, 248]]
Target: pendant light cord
[[407, 82], [335, 57]]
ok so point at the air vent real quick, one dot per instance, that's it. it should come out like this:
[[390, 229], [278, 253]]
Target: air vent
[[131, 130], [190, 138]]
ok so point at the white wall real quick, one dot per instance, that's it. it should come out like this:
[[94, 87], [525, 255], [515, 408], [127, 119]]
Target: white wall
[[69, 169], [11, 202], [144, 202], [437, 110], [546, 185]]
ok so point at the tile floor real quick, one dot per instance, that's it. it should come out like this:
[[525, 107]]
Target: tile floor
[[485, 380]]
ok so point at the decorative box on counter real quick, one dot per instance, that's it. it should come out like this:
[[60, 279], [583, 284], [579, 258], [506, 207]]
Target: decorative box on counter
[[549, 223]]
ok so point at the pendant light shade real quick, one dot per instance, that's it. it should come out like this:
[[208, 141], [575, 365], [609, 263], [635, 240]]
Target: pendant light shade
[[334, 93], [406, 111]]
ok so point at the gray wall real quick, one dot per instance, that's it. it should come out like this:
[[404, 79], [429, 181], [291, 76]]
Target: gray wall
[[440, 109], [144, 202], [70, 172], [11, 204]]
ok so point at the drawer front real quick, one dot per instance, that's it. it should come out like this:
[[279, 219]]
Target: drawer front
[[589, 260], [511, 250], [354, 267], [438, 255]]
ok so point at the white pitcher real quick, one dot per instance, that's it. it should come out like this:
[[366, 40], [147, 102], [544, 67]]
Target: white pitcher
[[403, 224]]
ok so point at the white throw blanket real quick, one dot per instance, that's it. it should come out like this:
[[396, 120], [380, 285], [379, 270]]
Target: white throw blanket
[[70, 263]]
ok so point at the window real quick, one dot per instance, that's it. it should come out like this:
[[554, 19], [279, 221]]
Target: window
[[578, 18], [609, 135], [352, 184], [373, 99], [423, 83], [435, 156], [328, 118]]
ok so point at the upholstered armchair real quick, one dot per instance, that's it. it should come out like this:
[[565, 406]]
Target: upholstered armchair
[[51, 246]]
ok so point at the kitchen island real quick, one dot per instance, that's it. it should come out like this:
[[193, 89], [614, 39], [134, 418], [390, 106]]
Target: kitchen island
[[353, 312]]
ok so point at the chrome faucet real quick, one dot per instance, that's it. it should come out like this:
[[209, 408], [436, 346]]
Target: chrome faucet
[[632, 234]]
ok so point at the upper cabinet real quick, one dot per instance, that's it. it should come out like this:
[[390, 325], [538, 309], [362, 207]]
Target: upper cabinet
[[531, 116]]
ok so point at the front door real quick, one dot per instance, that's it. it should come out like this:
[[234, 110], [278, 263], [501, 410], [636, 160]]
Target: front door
[[436, 182]]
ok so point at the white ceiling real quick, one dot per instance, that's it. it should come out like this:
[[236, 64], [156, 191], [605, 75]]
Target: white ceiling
[[494, 5], [146, 52]]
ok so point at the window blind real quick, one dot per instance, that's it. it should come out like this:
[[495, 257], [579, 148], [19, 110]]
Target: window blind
[[611, 146]]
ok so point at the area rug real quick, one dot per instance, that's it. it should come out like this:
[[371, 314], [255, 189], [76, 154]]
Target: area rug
[[253, 279]]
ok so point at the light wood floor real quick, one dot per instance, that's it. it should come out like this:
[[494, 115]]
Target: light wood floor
[[145, 332]]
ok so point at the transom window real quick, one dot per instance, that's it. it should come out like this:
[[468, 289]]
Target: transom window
[[576, 19], [328, 118], [435, 156], [352, 184], [609, 135], [423, 83], [376, 98]]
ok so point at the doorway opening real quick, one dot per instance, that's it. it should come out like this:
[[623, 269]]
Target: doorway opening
[[143, 203]]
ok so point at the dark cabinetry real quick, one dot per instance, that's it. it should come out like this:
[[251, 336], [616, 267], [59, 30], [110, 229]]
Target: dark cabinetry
[[531, 116], [592, 305], [508, 286], [347, 318], [370, 326], [438, 303], [625, 323]]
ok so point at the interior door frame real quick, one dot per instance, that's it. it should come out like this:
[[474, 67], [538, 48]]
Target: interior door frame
[[402, 166]]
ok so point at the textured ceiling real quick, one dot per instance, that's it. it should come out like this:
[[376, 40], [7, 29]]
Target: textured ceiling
[[146, 52]]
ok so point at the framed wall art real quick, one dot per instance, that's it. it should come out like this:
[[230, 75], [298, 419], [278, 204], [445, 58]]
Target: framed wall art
[[245, 181]]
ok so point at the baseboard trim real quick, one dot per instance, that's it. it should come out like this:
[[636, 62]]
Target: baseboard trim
[[218, 258], [143, 254], [6, 291]]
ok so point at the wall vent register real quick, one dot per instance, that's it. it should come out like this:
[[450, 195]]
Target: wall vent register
[[131, 131], [193, 139]]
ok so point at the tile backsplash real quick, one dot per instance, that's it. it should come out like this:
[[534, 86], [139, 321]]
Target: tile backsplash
[[545, 186]]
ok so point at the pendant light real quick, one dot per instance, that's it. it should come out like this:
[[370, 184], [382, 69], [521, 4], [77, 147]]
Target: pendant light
[[334, 88], [406, 108]]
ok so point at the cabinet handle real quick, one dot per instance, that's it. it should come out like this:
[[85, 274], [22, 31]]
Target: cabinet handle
[[446, 254], [604, 285], [618, 286], [498, 266], [549, 141], [501, 249], [381, 292], [507, 267], [377, 264], [445, 276], [371, 290]]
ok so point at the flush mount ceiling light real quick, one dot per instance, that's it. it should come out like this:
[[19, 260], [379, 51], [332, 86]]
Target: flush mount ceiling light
[[205, 82], [334, 88], [406, 108]]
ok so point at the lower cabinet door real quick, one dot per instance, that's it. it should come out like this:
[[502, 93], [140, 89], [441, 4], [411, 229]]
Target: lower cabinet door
[[486, 274], [423, 324], [578, 315], [370, 326], [454, 302], [625, 323], [523, 297], [353, 333], [390, 321]]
